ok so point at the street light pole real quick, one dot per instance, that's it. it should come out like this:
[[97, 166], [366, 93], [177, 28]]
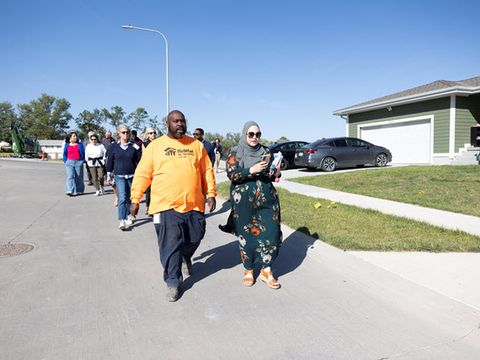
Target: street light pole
[[131, 27]]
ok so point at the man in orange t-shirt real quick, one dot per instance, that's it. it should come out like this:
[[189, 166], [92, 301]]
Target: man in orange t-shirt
[[180, 174]]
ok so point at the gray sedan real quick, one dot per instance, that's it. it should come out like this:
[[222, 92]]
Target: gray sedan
[[343, 152]]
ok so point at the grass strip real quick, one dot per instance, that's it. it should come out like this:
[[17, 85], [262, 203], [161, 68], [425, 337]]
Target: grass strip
[[352, 228], [451, 188]]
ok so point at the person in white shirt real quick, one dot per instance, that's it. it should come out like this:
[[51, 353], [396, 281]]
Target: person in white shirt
[[95, 157]]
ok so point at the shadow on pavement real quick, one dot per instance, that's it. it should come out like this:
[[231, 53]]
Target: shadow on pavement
[[292, 254], [140, 222], [225, 207], [220, 258], [293, 251]]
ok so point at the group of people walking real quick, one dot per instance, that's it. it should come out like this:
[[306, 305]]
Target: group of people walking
[[177, 171]]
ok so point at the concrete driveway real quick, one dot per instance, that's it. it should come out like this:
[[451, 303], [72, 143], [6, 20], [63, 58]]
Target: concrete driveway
[[89, 291]]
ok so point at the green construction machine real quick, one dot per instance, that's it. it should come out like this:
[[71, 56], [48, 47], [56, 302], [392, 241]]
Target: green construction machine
[[24, 146]]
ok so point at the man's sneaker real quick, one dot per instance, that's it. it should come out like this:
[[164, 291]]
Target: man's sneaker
[[173, 294], [122, 225], [102, 190], [129, 220], [187, 266], [97, 193]]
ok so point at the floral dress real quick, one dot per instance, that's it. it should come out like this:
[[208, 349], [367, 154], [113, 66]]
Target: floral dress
[[256, 212]]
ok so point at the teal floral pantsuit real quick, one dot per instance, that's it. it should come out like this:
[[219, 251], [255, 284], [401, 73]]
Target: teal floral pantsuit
[[256, 212]]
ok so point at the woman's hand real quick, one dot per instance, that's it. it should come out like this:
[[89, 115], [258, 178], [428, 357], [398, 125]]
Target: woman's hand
[[259, 167]]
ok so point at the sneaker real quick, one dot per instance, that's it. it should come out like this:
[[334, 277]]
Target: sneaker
[[187, 266], [90, 183], [122, 225], [102, 190], [146, 210], [173, 294], [97, 193], [129, 220], [68, 194]]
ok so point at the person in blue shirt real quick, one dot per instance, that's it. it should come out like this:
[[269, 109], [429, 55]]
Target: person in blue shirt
[[198, 134], [123, 158]]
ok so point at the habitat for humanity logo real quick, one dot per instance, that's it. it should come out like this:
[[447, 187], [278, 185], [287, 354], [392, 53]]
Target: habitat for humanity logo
[[170, 151], [178, 152]]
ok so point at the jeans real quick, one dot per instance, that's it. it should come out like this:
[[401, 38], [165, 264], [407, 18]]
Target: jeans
[[178, 237], [123, 192], [74, 183]]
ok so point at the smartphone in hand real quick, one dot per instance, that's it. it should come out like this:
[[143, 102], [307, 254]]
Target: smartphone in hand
[[266, 158]]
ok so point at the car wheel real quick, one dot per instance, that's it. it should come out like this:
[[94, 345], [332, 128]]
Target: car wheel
[[284, 165], [329, 164], [381, 160]]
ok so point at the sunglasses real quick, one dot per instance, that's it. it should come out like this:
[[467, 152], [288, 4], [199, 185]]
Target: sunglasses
[[93, 138], [124, 132], [197, 134], [150, 133], [251, 134]]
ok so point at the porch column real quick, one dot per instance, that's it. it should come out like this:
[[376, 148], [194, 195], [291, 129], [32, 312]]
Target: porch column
[[451, 136]]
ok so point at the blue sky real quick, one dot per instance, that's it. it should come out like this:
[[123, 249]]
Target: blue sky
[[285, 64]]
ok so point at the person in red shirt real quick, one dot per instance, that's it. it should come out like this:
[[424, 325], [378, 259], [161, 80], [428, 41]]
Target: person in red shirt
[[73, 158]]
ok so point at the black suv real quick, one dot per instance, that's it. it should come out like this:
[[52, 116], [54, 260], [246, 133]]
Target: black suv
[[288, 150]]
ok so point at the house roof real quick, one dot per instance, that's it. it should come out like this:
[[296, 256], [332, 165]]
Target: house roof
[[432, 90]]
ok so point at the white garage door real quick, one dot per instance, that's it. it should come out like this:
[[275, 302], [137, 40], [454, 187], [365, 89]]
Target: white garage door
[[409, 142]]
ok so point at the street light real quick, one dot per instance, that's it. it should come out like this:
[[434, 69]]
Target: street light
[[131, 27]]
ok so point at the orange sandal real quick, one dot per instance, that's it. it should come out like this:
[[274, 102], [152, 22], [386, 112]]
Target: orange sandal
[[248, 279], [267, 277]]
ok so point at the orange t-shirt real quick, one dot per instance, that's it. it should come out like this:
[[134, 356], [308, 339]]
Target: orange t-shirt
[[179, 172]]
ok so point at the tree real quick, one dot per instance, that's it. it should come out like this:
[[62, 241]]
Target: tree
[[160, 126], [8, 117], [45, 118], [230, 140], [115, 116], [138, 119], [90, 121], [280, 140]]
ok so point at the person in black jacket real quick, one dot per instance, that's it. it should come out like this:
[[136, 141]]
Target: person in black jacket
[[150, 135], [123, 158]]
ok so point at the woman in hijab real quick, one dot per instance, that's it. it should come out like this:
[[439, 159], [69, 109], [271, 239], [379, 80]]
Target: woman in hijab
[[256, 208]]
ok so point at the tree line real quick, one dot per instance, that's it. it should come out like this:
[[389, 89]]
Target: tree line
[[48, 118]]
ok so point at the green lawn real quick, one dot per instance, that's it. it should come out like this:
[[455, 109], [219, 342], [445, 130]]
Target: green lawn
[[351, 228], [452, 188]]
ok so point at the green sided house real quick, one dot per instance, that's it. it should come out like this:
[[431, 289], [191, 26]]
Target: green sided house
[[436, 123]]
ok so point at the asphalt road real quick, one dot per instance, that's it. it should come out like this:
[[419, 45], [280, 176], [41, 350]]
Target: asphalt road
[[90, 291]]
